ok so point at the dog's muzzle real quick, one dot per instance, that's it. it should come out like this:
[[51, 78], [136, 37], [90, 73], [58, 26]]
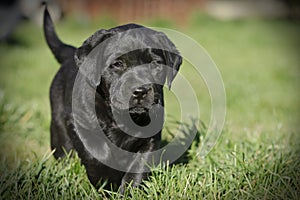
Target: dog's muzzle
[[141, 101]]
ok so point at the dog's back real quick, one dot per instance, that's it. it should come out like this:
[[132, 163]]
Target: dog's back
[[61, 87]]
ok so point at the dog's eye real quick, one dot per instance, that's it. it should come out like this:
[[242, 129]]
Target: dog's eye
[[118, 64]]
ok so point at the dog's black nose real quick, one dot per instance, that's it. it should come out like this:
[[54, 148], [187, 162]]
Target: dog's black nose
[[140, 92]]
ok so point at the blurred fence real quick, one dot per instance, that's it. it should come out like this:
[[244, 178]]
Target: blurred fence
[[179, 10], [132, 10]]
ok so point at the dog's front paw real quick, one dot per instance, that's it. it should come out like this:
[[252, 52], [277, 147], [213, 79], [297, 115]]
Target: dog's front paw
[[131, 180]]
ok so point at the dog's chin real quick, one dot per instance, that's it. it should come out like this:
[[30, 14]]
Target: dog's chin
[[140, 115]]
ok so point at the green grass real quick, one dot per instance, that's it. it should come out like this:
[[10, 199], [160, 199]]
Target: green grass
[[256, 157]]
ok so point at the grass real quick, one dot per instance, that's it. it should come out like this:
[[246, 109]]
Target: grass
[[256, 157]]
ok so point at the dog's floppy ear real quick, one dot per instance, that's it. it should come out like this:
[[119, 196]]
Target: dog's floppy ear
[[89, 44], [174, 60], [172, 57]]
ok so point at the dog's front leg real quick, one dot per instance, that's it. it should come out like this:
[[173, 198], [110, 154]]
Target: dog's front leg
[[143, 160]]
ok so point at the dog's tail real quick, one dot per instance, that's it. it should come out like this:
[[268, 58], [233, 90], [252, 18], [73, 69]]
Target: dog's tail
[[60, 50]]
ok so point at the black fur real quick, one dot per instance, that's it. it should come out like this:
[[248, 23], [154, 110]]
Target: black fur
[[63, 132]]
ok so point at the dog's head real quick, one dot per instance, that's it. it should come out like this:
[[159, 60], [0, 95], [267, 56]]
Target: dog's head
[[133, 63]]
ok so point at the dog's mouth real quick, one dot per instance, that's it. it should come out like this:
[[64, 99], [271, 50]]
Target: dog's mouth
[[140, 115]]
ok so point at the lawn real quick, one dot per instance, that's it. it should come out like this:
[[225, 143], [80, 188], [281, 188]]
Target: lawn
[[257, 155]]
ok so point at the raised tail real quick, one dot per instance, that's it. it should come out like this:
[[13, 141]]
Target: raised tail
[[60, 50]]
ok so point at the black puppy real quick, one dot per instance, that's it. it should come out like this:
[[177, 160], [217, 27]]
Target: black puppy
[[130, 64]]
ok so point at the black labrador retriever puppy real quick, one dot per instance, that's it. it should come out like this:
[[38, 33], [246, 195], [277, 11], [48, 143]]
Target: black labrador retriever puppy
[[122, 72]]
